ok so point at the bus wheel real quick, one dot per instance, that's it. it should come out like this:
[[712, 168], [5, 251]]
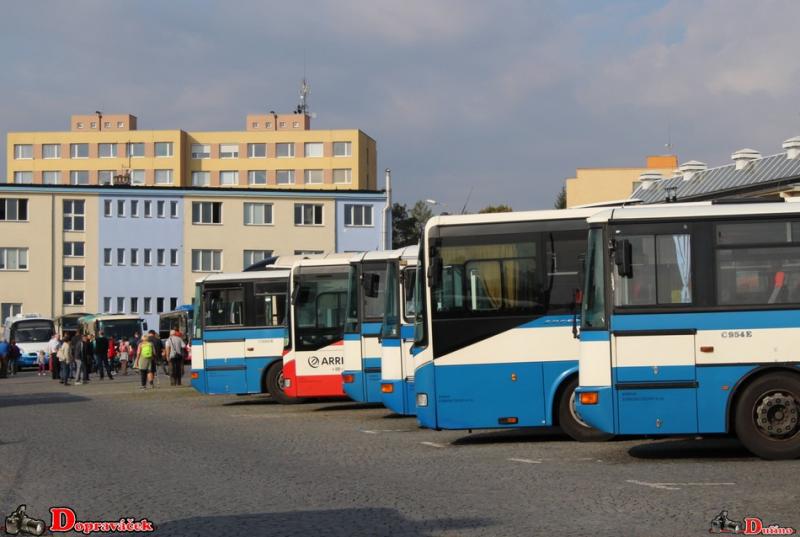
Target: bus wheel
[[767, 420], [571, 422], [275, 385]]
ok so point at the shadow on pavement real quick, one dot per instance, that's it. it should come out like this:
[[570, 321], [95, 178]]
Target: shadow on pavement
[[252, 400], [30, 399], [691, 448], [547, 434], [349, 405], [394, 416], [350, 522]]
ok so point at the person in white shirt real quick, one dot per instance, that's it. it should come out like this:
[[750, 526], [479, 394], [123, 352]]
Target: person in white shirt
[[52, 351]]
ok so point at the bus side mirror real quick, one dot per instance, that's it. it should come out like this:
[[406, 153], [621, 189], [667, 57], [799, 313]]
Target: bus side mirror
[[435, 272], [370, 282], [623, 258]]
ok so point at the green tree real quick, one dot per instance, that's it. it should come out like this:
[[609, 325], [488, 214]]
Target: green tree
[[561, 199], [421, 212], [404, 229], [502, 208]]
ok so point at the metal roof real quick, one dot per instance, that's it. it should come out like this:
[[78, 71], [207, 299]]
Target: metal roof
[[684, 211], [723, 180]]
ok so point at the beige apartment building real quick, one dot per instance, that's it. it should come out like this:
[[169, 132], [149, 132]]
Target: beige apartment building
[[597, 185]]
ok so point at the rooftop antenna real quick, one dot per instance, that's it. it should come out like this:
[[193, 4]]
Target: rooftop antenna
[[464, 208], [668, 145]]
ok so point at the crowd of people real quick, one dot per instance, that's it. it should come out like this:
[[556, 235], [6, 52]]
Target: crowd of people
[[77, 357]]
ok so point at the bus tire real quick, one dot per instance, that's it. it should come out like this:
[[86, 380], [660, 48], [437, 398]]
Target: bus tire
[[569, 420], [767, 416], [274, 385]]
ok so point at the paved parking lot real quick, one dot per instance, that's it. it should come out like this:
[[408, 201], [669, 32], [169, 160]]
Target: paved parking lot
[[198, 465]]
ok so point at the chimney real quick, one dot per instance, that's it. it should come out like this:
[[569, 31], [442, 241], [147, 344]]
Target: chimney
[[792, 147], [745, 156], [647, 179], [689, 169]]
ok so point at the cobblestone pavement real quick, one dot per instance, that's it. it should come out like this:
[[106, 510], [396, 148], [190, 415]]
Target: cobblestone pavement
[[197, 465]]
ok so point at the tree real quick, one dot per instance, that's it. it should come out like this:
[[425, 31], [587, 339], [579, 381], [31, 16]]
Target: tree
[[421, 212], [502, 208], [404, 228], [561, 199]]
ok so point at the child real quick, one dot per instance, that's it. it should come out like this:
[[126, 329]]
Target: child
[[40, 362]]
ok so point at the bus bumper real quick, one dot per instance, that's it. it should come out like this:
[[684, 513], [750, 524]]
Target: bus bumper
[[363, 386], [399, 397], [425, 396], [198, 380], [353, 384], [27, 360], [599, 414]]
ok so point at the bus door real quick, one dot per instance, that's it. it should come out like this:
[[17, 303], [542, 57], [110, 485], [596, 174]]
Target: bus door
[[374, 292], [653, 345], [224, 338]]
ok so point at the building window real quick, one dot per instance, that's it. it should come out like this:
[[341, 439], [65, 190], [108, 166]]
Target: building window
[[134, 304], [10, 309], [173, 257], [51, 151], [51, 177], [79, 177], [74, 215], [135, 149], [23, 178], [13, 259], [121, 256], [73, 249], [160, 208], [313, 177], [206, 212], [313, 149], [200, 151], [73, 273], [284, 150], [201, 179], [106, 124], [134, 257], [206, 260], [254, 124], [308, 252], [160, 305], [173, 303], [107, 150], [173, 209], [252, 257], [163, 177], [307, 214], [284, 177], [282, 124], [79, 150], [105, 177], [148, 209], [342, 149], [14, 210], [342, 176], [79, 125], [120, 208], [107, 256], [120, 124], [358, 215], [163, 149], [148, 256], [73, 298], [108, 208], [93, 125], [257, 214], [137, 177], [229, 178], [256, 150], [257, 177], [120, 304], [134, 208], [228, 150], [23, 151], [268, 125], [147, 305], [106, 304], [160, 257]]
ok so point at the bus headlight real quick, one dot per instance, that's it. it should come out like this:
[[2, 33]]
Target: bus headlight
[[422, 399]]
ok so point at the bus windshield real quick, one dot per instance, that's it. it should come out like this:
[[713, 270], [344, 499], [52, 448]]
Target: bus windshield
[[593, 313], [373, 305], [391, 311], [319, 309], [33, 331], [119, 328]]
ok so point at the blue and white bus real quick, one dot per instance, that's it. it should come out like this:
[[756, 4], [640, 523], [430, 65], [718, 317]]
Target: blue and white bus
[[31, 332], [495, 347], [366, 294], [397, 333], [240, 332], [690, 323]]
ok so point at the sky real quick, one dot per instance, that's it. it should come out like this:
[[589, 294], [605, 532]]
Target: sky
[[505, 99]]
